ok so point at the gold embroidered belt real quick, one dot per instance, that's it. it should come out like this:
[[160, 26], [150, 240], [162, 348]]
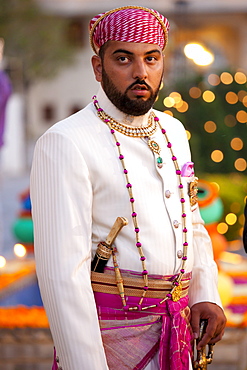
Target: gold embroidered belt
[[133, 285]]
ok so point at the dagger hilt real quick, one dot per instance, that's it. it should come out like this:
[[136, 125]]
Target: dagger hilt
[[104, 249]]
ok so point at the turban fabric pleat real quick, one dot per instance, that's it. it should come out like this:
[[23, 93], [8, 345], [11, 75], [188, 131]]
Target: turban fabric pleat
[[129, 24]]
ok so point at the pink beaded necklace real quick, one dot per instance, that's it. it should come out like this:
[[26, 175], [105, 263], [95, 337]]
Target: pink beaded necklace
[[175, 292]]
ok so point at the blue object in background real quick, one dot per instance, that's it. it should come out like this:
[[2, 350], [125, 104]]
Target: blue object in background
[[27, 296]]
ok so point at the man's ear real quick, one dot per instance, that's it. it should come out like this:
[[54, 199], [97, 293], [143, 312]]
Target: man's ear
[[97, 67]]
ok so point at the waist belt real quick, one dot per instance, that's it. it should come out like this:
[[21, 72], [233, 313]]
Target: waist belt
[[133, 285]]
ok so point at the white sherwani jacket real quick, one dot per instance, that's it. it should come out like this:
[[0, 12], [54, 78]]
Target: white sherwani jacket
[[78, 190]]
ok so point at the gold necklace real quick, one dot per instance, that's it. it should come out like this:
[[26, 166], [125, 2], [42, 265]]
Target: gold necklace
[[140, 131]]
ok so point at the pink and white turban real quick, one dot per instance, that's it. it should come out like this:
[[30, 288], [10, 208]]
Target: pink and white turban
[[129, 24]]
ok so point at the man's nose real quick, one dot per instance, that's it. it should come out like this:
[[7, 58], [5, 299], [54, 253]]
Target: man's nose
[[139, 70]]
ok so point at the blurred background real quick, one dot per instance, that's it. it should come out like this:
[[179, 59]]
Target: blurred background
[[46, 75]]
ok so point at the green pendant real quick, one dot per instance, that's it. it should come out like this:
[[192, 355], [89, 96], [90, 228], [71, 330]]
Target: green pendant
[[154, 146], [159, 162]]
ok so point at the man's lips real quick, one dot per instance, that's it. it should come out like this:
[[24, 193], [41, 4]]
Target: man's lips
[[140, 90], [139, 87]]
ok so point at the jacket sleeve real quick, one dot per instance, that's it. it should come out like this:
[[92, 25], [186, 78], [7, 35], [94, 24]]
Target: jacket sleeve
[[204, 283], [61, 196]]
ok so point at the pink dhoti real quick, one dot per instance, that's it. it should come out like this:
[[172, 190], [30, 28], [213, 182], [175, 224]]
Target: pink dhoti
[[132, 338]]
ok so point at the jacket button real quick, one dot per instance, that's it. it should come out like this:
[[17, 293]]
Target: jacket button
[[176, 224], [179, 254], [168, 193]]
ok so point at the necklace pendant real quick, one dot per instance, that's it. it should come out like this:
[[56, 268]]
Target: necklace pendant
[[159, 161], [176, 293], [154, 146]]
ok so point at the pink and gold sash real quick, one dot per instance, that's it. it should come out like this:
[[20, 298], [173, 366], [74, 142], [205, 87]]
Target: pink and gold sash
[[132, 338]]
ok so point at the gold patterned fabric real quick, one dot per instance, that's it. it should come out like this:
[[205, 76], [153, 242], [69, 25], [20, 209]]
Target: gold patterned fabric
[[132, 339], [129, 344], [133, 286]]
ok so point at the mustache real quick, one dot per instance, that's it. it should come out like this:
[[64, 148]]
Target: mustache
[[139, 82]]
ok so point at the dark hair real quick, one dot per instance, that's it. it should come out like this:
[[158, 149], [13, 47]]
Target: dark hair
[[102, 50]]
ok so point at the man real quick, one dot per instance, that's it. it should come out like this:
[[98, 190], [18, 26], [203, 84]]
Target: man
[[120, 158]]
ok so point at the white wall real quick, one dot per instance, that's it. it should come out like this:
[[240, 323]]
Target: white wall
[[75, 85]]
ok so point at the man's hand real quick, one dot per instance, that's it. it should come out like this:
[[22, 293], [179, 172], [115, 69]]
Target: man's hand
[[216, 322]]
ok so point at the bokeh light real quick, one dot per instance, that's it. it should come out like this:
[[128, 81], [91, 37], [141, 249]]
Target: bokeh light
[[235, 207], [230, 120], [222, 228], [20, 250], [231, 97], [240, 232], [244, 101], [241, 219], [195, 92], [237, 143], [191, 49], [168, 102], [179, 104], [204, 59], [213, 79], [176, 96], [2, 261], [210, 127], [168, 112], [208, 96], [241, 116], [217, 186], [231, 218], [198, 54], [242, 94], [183, 108], [188, 133], [226, 78], [240, 78], [240, 164], [217, 156]]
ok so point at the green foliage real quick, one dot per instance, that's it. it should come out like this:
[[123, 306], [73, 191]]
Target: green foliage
[[232, 191], [221, 113], [36, 39]]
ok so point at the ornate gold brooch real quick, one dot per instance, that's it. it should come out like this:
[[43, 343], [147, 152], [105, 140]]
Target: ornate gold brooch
[[176, 292], [193, 190]]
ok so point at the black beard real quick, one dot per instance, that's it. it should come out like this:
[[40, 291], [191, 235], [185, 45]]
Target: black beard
[[135, 107]]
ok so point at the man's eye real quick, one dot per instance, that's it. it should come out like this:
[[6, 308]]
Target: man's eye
[[123, 59], [151, 59]]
